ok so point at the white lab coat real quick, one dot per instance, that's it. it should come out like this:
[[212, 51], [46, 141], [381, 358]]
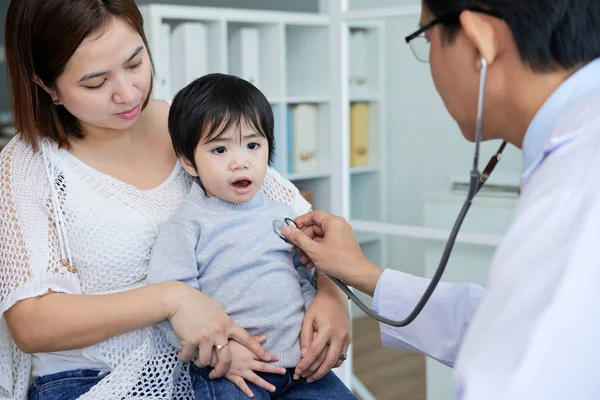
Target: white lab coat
[[535, 333]]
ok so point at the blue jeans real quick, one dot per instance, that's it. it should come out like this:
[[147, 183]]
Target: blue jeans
[[329, 387], [67, 385]]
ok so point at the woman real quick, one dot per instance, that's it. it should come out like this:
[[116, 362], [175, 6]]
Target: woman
[[534, 333], [84, 187]]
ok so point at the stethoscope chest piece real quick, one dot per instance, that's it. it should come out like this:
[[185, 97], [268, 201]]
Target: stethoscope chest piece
[[278, 225]]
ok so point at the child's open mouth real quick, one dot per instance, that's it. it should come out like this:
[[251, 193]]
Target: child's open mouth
[[242, 186], [243, 183]]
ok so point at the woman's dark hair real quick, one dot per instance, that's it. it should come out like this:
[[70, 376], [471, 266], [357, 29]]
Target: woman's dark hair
[[211, 105], [40, 38], [547, 33]]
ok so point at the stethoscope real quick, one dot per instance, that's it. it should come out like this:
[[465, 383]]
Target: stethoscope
[[477, 180]]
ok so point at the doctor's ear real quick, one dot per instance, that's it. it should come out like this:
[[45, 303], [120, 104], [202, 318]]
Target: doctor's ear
[[484, 33]]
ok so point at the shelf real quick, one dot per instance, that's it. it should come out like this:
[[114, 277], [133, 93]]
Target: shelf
[[364, 48], [253, 54], [364, 170], [307, 99], [365, 197], [307, 60], [186, 50], [320, 190], [287, 151], [357, 97], [307, 175]]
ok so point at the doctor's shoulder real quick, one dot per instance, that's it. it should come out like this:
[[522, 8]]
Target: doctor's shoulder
[[571, 157]]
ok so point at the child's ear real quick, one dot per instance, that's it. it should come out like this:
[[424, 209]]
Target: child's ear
[[189, 168]]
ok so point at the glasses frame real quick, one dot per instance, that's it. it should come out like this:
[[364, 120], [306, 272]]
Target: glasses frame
[[447, 17]]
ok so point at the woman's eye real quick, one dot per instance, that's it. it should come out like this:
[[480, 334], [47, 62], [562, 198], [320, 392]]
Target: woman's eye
[[136, 66], [253, 145], [97, 86], [220, 150]]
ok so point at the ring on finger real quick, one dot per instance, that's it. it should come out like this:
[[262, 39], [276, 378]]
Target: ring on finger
[[220, 346]]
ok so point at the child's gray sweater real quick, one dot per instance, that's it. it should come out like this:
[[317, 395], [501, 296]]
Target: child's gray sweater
[[231, 253]]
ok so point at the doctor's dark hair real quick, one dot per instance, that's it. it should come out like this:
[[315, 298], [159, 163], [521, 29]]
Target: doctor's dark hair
[[548, 33], [40, 37], [211, 105]]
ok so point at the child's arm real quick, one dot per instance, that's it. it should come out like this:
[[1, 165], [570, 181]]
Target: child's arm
[[174, 258], [306, 280]]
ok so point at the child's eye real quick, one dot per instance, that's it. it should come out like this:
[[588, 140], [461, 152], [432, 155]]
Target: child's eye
[[253, 145], [219, 150]]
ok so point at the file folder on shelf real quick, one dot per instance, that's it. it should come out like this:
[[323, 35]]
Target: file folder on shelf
[[189, 55], [358, 57], [244, 53], [359, 134], [303, 137]]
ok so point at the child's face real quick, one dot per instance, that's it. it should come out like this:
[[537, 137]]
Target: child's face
[[232, 167]]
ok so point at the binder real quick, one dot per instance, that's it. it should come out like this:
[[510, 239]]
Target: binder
[[244, 53], [359, 134], [304, 137], [189, 55], [358, 57]]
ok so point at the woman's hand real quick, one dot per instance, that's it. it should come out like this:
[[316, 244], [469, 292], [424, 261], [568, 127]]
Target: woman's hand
[[201, 323], [245, 364], [328, 242], [325, 333]]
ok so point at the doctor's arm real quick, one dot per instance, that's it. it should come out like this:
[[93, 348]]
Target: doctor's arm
[[439, 329], [328, 243]]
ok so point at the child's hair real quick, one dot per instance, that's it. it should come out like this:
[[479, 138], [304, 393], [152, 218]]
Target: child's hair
[[212, 104]]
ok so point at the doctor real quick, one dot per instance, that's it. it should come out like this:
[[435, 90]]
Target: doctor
[[534, 333]]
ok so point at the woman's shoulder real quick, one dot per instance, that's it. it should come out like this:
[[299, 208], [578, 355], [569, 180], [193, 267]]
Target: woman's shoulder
[[18, 153], [22, 169], [157, 113]]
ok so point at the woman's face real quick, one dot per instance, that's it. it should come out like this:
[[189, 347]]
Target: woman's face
[[107, 80]]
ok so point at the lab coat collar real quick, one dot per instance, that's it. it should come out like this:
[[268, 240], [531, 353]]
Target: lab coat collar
[[540, 139]]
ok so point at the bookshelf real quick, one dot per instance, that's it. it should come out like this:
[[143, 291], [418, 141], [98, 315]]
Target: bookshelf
[[367, 178], [287, 56]]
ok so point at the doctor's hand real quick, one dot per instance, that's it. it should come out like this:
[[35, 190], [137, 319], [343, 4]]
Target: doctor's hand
[[328, 242], [326, 332]]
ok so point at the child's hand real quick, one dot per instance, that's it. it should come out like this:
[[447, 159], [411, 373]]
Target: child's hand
[[245, 364]]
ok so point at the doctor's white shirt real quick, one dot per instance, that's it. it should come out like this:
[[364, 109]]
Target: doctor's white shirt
[[534, 332]]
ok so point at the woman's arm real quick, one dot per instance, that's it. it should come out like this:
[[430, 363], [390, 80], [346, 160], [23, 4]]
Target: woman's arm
[[58, 322]]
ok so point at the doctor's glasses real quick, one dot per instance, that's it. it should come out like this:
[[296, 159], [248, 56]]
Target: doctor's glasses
[[419, 42]]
